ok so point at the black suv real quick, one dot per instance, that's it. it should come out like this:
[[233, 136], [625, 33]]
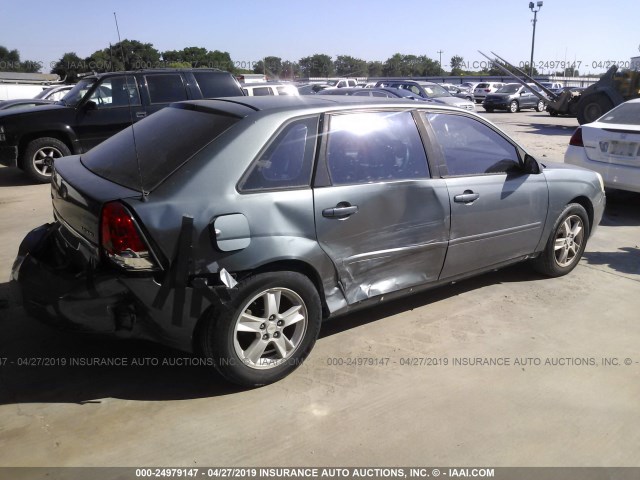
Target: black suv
[[95, 109]]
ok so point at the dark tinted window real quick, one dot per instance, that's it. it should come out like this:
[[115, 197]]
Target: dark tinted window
[[166, 88], [287, 162], [163, 143], [627, 113], [373, 147], [470, 147], [214, 85]]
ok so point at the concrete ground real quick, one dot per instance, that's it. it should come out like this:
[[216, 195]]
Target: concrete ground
[[562, 396]]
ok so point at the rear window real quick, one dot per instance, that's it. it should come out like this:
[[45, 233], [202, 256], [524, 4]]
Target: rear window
[[483, 85], [164, 142], [627, 113], [213, 85]]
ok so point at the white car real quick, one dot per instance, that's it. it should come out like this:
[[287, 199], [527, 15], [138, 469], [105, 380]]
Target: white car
[[485, 88], [259, 89], [611, 147]]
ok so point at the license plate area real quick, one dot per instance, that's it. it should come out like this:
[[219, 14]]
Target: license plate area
[[623, 149]]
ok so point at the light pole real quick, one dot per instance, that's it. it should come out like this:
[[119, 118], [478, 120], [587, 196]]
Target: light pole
[[440, 52], [533, 39]]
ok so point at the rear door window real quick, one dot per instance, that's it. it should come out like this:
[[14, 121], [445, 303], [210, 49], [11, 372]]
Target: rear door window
[[374, 147], [213, 85], [166, 88]]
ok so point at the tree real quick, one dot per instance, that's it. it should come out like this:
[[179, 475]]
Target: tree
[[374, 69], [290, 70], [457, 62], [400, 65], [10, 62], [69, 66], [125, 55], [318, 65], [271, 66], [347, 66]]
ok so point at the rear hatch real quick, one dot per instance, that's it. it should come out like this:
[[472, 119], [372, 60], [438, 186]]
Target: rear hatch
[[130, 165]]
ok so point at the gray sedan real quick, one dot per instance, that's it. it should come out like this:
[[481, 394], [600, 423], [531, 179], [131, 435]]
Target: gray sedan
[[233, 227]]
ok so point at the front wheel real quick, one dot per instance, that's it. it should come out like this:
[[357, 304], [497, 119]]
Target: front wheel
[[39, 156], [566, 243], [266, 332], [593, 107], [513, 106], [540, 106]]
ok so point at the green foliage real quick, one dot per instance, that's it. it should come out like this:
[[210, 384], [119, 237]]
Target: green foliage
[[318, 65], [347, 66], [10, 62], [400, 65]]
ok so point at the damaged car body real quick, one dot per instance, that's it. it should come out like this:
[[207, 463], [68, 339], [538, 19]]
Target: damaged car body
[[233, 227]]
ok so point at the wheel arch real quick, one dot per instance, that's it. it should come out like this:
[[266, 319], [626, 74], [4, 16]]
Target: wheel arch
[[28, 137], [587, 205]]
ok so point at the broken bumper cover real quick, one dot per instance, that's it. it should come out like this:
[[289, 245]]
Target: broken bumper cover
[[102, 300]]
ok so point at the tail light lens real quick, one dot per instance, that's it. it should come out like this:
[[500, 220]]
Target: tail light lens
[[121, 239], [576, 138], [487, 89]]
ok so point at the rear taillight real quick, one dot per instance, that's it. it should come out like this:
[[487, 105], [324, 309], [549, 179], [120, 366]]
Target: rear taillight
[[576, 138], [121, 240], [487, 89]]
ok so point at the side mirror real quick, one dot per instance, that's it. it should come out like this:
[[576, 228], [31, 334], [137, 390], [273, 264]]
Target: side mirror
[[91, 105], [531, 165]]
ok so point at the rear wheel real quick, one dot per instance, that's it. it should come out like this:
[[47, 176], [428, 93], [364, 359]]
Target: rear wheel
[[593, 107], [267, 330], [39, 156], [490, 110], [540, 106], [566, 243], [513, 106]]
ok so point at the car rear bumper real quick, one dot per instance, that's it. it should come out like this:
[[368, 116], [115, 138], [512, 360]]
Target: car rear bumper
[[97, 299], [9, 156], [619, 177]]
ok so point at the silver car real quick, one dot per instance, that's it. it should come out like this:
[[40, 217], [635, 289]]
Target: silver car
[[233, 227]]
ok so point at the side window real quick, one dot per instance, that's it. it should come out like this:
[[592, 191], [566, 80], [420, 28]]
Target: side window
[[116, 92], [375, 147], [260, 91], [380, 94], [287, 161], [166, 88], [364, 93], [470, 147], [214, 85]]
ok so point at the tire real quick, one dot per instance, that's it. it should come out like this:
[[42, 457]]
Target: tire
[[553, 113], [489, 110], [593, 107], [566, 243], [242, 337], [540, 106], [39, 156], [513, 107]]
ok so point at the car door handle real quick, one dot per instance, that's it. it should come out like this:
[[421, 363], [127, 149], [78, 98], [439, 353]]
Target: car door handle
[[340, 211], [467, 197], [141, 114]]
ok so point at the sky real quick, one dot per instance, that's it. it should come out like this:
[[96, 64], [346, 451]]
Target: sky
[[588, 33]]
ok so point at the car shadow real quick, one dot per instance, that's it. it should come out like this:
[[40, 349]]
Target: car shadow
[[551, 130], [14, 177], [622, 210], [625, 260], [39, 364]]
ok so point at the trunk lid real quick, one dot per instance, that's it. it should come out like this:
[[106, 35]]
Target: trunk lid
[[612, 143]]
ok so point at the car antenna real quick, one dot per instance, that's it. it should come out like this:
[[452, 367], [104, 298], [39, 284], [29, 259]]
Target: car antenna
[[133, 130]]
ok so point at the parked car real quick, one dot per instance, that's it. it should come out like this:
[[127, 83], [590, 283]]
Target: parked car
[[429, 90], [485, 88], [342, 83], [611, 147], [469, 85], [513, 97], [234, 227], [311, 88], [97, 107], [373, 92], [54, 93], [23, 103], [261, 89], [457, 91]]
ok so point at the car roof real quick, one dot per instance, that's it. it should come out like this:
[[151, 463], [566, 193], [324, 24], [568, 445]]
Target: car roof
[[155, 70], [242, 106]]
